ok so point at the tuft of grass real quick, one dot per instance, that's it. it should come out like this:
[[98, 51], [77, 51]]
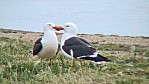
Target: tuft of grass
[[16, 68]]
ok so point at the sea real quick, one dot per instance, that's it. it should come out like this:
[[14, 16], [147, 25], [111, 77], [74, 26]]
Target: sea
[[108, 17]]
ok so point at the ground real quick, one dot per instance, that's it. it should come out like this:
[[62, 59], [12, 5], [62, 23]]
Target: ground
[[129, 55]]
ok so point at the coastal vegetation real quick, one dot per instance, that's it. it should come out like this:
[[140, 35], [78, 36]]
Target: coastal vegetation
[[129, 68]]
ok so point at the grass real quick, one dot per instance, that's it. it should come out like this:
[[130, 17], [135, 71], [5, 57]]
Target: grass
[[15, 68], [113, 47]]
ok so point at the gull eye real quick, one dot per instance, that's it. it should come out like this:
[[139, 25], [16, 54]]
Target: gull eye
[[67, 25], [50, 24]]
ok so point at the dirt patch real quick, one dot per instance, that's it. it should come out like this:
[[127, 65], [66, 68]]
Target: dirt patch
[[96, 38]]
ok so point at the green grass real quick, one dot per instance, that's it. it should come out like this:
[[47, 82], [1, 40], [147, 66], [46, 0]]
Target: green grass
[[15, 67]]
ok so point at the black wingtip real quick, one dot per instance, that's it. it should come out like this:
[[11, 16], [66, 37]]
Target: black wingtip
[[101, 58], [97, 60]]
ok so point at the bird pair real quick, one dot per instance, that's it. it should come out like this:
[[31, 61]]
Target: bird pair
[[70, 45]]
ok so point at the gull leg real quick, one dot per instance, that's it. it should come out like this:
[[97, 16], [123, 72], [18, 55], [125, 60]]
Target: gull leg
[[82, 78], [72, 66], [81, 66], [51, 60]]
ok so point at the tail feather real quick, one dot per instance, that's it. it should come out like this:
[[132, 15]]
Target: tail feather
[[98, 60], [101, 58]]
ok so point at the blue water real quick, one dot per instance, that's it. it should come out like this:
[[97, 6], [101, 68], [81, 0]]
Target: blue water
[[118, 17]]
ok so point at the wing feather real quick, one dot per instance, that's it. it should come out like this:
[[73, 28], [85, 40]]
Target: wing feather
[[79, 46]]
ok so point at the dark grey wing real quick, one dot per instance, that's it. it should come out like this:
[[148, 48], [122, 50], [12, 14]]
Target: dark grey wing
[[84, 41], [76, 41], [79, 47], [37, 46]]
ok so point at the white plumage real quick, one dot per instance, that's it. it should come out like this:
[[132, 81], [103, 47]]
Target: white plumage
[[78, 48], [46, 47]]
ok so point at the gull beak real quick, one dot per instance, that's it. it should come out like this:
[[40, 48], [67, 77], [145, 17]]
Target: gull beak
[[58, 28]]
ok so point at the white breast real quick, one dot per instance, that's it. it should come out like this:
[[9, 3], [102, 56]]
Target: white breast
[[49, 45]]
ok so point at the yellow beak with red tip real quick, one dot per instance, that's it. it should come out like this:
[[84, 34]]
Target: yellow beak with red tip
[[58, 28]]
